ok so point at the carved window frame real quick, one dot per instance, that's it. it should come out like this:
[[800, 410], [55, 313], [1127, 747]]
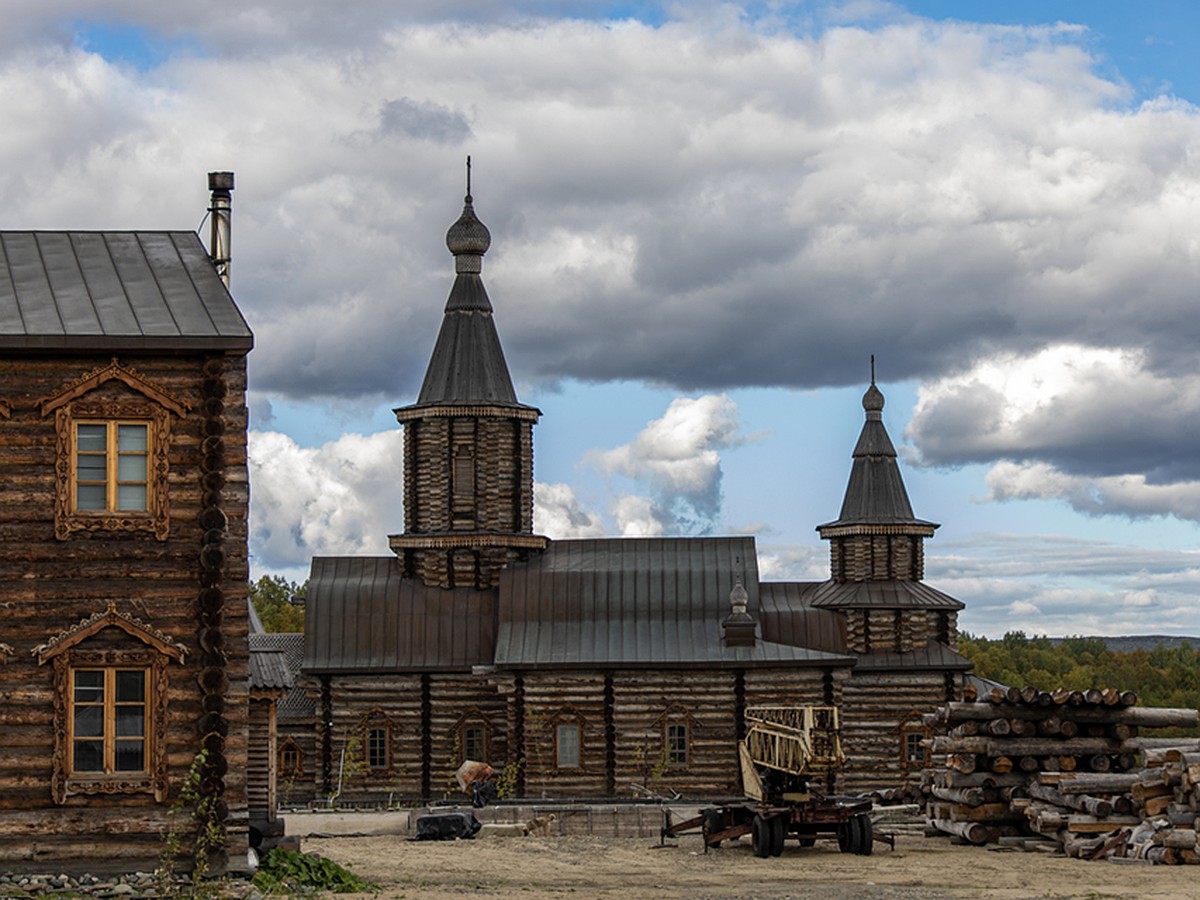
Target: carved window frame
[[378, 720], [472, 718], [156, 518], [152, 653], [153, 778], [913, 729], [287, 771], [151, 405], [675, 716]]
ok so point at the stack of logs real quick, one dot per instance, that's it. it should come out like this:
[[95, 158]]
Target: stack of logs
[[1068, 766]]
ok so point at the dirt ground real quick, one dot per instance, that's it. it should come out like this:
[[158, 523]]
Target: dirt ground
[[535, 868]]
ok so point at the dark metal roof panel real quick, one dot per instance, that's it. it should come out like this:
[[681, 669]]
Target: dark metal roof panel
[[933, 657], [634, 602], [365, 616], [788, 617], [881, 595], [114, 290]]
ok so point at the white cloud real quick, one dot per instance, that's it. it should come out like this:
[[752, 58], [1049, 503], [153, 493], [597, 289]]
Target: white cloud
[[636, 517], [677, 457], [558, 514], [1141, 598], [1128, 495], [343, 498]]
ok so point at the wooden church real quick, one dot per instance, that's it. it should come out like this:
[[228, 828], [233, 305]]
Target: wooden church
[[123, 563], [580, 668]]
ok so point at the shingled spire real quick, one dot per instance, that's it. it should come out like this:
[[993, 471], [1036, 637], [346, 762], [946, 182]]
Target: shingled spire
[[468, 441], [468, 365], [876, 536]]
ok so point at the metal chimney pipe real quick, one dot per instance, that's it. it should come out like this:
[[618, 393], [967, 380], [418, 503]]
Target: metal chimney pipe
[[221, 185]]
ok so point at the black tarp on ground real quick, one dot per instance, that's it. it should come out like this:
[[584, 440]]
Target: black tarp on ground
[[446, 827]]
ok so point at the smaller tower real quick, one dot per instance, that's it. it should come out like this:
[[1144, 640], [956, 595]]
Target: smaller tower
[[876, 537], [468, 441], [877, 552]]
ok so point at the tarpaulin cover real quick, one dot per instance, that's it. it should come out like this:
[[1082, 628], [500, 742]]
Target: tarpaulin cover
[[446, 827]]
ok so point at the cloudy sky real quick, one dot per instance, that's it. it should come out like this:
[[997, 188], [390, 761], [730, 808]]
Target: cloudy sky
[[705, 218]]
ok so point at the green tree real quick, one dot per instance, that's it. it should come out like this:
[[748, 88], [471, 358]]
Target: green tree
[[271, 596], [1164, 676]]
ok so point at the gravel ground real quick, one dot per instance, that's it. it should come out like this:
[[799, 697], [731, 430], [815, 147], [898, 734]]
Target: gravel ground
[[629, 868]]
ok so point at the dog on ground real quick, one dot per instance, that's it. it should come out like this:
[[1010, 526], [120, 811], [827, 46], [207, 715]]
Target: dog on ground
[[540, 826]]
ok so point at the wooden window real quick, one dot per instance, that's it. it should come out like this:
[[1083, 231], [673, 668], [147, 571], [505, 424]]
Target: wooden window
[[464, 473], [379, 746], [913, 754], [291, 760], [111, 471], [474, 742], [567, 750], [675, 744], [913, 751], [110, 707], [108, 720]]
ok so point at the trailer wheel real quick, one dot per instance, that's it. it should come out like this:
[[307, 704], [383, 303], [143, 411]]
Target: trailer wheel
[[844, 834], [866, 835], [760, 837], [778, 830], [713, 824]]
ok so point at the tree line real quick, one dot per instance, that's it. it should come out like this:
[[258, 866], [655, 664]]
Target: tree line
[[1163, 676]]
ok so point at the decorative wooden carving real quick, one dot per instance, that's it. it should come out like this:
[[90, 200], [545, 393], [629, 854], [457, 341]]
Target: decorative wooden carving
[[287, 751], [156, 518], [5, 652], [5, 409], [114, 371], [152, 654], [84, 629]]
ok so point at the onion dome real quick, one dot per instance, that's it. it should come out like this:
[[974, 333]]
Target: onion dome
[[468, 239], [872, 402]]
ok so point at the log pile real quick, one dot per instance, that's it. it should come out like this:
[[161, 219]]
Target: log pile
[[1066, 770]]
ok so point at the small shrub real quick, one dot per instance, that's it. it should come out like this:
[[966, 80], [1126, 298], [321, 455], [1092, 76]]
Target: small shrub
[[289, 872]]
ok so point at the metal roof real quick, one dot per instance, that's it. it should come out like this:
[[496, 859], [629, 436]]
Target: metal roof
[[634, 602], [875, 494], [894, 594], [114, 290], [362, 615], [787, 616], [934, 656]]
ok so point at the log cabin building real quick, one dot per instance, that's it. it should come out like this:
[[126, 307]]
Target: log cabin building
[[123, 561], [593, 668]]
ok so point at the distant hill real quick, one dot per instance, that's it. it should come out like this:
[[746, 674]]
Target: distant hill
[[1129, 642]]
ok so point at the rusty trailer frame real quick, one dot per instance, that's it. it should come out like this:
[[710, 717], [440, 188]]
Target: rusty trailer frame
[[846, 820]]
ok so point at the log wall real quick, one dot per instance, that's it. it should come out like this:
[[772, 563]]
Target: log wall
[[260, 761], [48, 585], [875, 707], [877, 557], [465, 474]]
